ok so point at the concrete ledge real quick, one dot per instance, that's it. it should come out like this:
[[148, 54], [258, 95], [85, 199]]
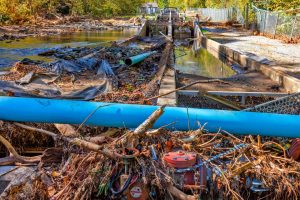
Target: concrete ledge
[[291, 84], [168, 84]]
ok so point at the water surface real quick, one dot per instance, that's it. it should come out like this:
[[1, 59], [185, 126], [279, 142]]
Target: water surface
[[201, 63], [13, 51]]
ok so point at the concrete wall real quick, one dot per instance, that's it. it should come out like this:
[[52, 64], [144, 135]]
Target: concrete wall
[[291, 84], [143, 30]]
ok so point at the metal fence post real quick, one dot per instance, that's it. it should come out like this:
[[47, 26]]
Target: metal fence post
[[276, 25], [247, 16], [293, 27], [265, 20]]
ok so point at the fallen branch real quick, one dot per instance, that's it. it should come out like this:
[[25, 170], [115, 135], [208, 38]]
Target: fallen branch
[[99, 139], [149, 122], [183, 87], [221, 100], [179, 194], [75, 141], [131, 138], [66, 129], [89, 116], [15, 157]]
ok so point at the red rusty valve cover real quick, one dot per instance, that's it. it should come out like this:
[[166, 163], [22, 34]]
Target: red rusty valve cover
[[180, 159], [294, 150]]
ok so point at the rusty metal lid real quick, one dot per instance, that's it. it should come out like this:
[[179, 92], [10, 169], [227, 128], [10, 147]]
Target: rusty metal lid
[[294, 150], [180, 159]]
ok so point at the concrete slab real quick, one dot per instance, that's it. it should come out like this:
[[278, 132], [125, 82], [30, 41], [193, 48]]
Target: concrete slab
[[168, 84]]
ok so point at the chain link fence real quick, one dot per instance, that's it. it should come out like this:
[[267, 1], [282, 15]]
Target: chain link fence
[[289, 104], [277, 23], [286, 105], [217, 14]]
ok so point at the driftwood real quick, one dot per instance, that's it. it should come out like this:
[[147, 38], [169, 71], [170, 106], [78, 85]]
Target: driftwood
[[91, 144], [66, 129], [149, 122], [14, 156], [131, 138], [99, 139], [179, 194], [52, 155], [75, 141]]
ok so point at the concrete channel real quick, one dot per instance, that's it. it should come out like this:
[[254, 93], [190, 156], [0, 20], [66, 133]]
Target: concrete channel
[[289, 83], [165, 25]]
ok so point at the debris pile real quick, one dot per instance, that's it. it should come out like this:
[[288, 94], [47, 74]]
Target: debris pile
[[63, 161], [147, 163], [84, 73]]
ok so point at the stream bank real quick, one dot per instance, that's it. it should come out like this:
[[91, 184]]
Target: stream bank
[[67, 24]]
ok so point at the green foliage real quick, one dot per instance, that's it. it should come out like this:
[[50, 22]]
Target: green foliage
[[163, 3], [279, 5], [195, 3], [18, 11]]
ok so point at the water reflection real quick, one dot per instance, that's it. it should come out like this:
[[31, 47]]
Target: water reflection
[[198, 61]]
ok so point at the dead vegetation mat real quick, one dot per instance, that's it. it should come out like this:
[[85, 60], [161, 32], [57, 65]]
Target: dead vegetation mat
[[94, 163]]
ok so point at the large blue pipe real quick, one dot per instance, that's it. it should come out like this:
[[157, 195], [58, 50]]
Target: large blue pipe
[[131, 115]]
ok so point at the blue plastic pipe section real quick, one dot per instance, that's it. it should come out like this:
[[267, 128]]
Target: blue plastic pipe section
[[138, 58], [131, 115]]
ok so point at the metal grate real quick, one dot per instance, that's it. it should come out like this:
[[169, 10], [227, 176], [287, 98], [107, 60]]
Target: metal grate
[[285, 105], [197, 101]]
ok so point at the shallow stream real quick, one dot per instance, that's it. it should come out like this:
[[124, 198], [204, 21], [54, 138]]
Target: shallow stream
[[30, 47]]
